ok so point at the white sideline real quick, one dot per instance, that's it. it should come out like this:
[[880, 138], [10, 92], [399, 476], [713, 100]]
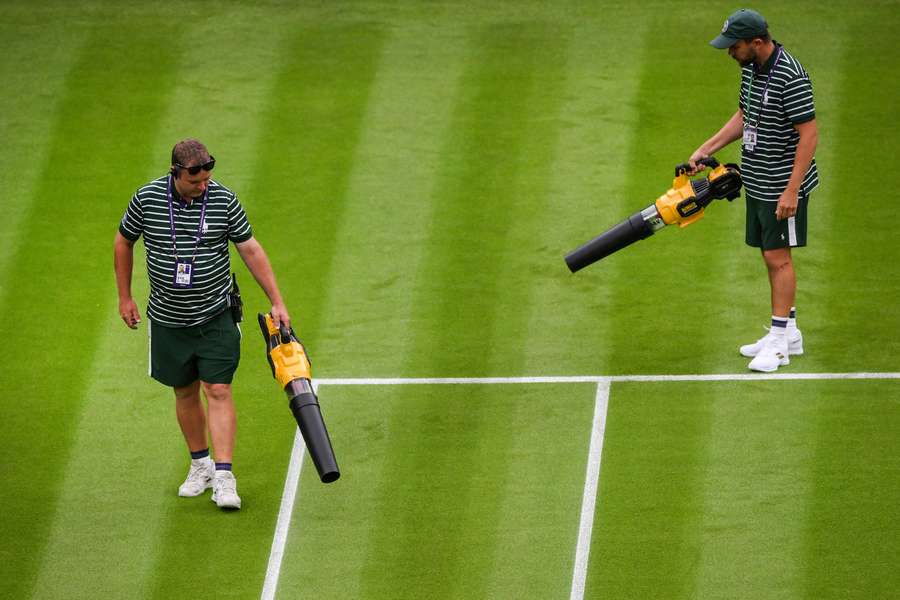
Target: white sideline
[[589, 498]]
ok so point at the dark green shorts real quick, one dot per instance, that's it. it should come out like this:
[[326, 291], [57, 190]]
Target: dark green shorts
[[766, 232], [209, 352]]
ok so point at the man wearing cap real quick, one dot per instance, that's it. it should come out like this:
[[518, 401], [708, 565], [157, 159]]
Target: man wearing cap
[[187, 220], [776, 121]]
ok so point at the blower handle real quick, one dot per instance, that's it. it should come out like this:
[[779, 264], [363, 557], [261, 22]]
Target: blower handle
[[285, 332], [709, 161]]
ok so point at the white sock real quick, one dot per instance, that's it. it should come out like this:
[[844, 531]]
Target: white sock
[[779, 326], [792, 318]]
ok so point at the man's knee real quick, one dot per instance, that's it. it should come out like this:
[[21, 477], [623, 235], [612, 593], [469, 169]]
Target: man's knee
[[217, 392], [778, 259], [188, 393]]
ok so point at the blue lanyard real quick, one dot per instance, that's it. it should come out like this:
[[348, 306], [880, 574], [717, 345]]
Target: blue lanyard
[[765, 95], [172, 220]]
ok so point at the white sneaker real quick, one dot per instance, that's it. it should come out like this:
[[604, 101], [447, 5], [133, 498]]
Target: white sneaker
[[225, 490], [774, 354], [795, 343], [199, 478]]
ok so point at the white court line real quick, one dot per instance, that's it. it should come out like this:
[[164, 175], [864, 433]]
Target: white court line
[[589, 497], [457, 380], [597, 378], [291, 487], [292, 481]]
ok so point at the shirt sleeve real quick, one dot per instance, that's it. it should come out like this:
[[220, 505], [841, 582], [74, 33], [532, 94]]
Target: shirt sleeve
[[238, 226], [132, 224], [797, 100]]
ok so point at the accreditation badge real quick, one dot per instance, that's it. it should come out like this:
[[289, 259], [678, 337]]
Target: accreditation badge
[[750, 139], [183, 273]]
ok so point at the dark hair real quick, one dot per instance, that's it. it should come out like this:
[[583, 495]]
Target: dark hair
[[190, 152]]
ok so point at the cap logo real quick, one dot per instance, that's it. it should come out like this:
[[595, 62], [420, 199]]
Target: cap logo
[[725, 26]]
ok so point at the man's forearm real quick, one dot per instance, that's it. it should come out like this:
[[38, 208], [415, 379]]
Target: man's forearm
[[123, 264], [731, 131], [803, 157], [258, 263]]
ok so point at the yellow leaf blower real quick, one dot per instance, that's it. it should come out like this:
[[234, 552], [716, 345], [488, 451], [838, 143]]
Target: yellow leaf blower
[[683, 204], [290, 366]]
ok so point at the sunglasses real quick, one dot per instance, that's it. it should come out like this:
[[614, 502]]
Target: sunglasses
[[196, 168]]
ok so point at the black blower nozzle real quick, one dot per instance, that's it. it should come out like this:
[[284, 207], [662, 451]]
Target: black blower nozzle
[[290, 366], [305, 407], [627, 232]]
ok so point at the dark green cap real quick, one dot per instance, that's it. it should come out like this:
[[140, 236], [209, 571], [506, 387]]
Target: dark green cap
[[743, 24]]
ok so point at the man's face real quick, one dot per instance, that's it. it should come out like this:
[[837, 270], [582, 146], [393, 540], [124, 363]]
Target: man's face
[[743, 52], [193, 186]]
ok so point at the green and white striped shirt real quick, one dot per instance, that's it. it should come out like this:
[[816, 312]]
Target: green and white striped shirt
[[148, 215], [767, 169]]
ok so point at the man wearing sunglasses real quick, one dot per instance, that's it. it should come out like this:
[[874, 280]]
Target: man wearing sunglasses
[[187, 220]]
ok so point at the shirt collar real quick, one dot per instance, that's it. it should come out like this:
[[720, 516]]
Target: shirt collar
[[770, 62], [178, 198]]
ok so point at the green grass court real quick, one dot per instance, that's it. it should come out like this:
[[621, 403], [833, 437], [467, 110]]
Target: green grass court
[[416, 172]]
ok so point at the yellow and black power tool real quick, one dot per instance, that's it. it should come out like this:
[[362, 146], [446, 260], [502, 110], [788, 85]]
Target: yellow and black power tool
[[683, 204], [290, 366]]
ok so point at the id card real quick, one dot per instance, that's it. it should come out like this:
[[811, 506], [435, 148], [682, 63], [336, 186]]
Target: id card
[[750, 139], [183, 273]]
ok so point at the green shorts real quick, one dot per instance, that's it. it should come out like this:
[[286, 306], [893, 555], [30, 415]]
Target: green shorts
[[209, 352], [766, 232]]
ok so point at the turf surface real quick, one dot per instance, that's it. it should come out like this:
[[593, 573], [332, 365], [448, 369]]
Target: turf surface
[[416, 172]]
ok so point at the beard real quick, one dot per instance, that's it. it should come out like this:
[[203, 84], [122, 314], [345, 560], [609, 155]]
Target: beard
[[751, 58]]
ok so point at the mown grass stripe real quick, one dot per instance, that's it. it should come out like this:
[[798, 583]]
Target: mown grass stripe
[[378, 245], [851, 526], [852, 303], [851, 531], [306, 153], [26, 104], [51, 313], [594, 126], [755, 486], [487, 164], [491, 168], [389, 192], [110, 502]]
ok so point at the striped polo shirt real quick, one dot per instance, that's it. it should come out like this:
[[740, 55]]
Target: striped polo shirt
[[148, 215], [789, 102]]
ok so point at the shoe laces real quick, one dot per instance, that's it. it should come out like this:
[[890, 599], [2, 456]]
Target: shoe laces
[[771, 343], [765, 339], [226, 485], [197, 472]]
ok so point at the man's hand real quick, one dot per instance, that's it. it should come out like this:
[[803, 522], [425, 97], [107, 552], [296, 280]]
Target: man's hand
[[280, 315], [697, 156], [129, 312], [787, 205]]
